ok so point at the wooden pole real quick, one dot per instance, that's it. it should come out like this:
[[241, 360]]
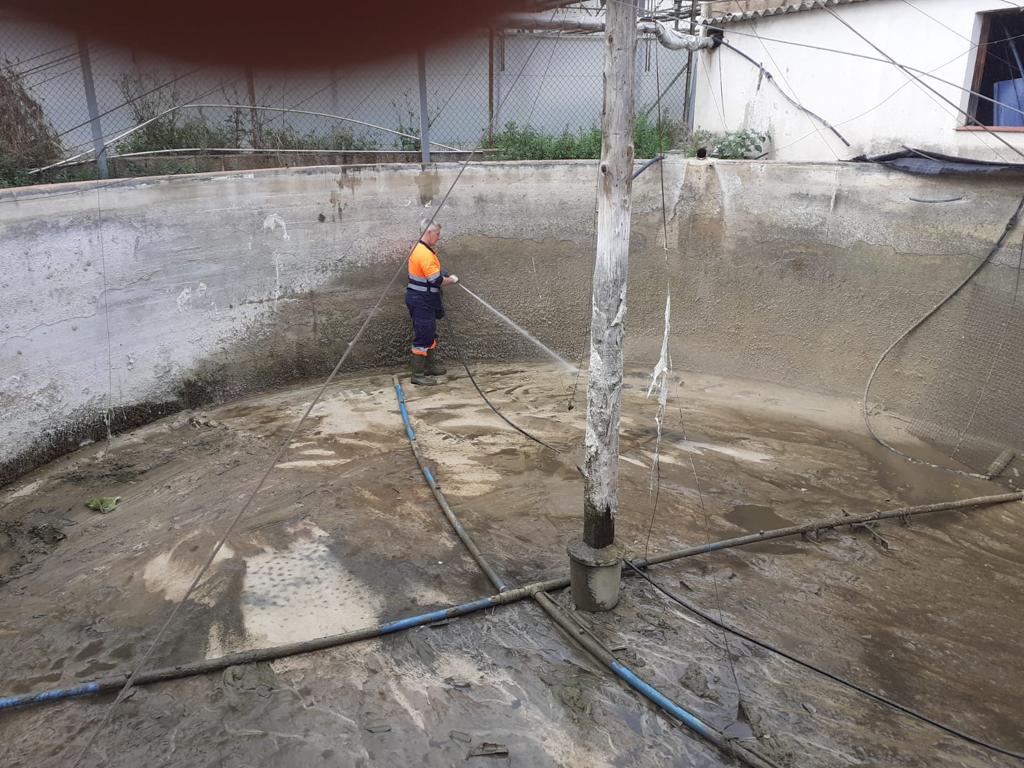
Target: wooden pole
[[607, 325], [688, 93], [595, 560]]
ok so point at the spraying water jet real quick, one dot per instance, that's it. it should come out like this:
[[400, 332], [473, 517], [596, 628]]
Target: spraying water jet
[[523, 332]]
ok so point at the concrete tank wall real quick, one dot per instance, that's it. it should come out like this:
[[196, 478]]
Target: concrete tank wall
[[127, 300]]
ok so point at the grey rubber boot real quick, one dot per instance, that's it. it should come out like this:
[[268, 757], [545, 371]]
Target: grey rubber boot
[[434, 365], [419, 371]]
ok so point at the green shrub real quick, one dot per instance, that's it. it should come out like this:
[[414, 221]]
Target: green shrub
[[337, 139], [173, 132], [27, 139], [517, 142], [739, 145], [177, 129]]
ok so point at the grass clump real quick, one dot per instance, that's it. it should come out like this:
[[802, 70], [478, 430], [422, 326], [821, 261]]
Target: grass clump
[[520, 142]]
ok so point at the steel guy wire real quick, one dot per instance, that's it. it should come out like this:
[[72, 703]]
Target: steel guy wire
[[721, 87], [910, 80], [731, 31], [543, 77], [955, 32], [702, 65], [661, 150], [927, 73], [18, 62], [263, 478], [166, 112], [43, 66], [868, 111], [748, 637], [456, 89], [107, 142], [132, 100], [921, 83], [789, 85]]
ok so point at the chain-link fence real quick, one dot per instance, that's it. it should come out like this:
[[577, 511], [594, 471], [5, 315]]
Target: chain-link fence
[[517, 95]]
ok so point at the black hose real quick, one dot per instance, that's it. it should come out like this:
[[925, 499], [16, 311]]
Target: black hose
[[824, 673], [563, 620], [647, 165], [1010, 224], [492, 406]]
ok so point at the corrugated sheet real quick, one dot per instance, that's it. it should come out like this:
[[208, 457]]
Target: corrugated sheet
[[741, 10]]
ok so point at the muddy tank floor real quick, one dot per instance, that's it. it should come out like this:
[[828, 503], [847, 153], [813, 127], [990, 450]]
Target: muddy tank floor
[[346, 534]]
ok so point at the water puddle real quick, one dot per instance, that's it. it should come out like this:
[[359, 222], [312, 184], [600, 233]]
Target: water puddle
[[753, 518]]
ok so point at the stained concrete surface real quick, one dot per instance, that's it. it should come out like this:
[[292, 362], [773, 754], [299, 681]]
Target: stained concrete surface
[[345, 534], [138, 297]]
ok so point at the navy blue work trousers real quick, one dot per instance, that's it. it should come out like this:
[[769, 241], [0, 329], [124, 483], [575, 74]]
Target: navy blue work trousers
[[424, 311]]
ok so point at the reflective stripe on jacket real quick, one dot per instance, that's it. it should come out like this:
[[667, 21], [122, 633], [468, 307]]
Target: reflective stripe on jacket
[[425, 274]]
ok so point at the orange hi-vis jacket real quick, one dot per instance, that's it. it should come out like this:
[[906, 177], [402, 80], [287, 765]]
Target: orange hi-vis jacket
[[425, 273]]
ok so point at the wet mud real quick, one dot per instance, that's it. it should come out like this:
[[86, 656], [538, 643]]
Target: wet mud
[[346, 534]]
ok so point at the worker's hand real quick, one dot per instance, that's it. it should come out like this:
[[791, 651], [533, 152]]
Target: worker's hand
[[452, 279]]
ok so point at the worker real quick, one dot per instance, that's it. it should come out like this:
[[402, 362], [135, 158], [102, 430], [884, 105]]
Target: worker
[[423, 298]]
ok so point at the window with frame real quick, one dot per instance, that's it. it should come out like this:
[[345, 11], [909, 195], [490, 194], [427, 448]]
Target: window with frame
[[998, 84]]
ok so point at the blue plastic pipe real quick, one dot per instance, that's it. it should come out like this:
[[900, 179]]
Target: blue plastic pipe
[[9, 702], [691, 721], [116, 682], [572, 628], [442, 502]]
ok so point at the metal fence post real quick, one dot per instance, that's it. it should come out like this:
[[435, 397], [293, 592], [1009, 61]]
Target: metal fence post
[[90, 103], [421, 65], [490, 87], [690, 93]]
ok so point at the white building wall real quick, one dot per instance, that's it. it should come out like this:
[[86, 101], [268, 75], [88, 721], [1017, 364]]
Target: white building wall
[[873, 104]]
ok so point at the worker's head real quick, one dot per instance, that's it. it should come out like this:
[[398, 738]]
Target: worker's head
[[431, 232]]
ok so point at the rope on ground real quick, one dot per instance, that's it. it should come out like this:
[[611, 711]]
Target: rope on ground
[[825, 673], [1010, 225], [231, 526], [280, 452], [714, 576]]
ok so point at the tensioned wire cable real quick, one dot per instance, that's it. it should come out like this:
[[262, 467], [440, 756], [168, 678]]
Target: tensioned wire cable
[[263, 478]]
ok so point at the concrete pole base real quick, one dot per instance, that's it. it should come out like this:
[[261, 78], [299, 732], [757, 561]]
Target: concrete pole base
[[594, 575]]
